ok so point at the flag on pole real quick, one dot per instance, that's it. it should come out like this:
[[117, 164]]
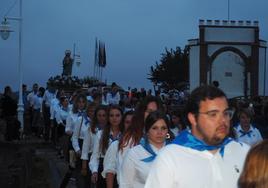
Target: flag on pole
[[96, 57], [104, 56], [96, 52], [101, 54]]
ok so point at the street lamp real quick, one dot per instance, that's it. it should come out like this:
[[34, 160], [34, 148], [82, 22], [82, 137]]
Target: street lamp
[[4, 32], [5, 29]]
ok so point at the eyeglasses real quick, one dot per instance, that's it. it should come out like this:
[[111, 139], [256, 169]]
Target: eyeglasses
[[149, 111], [215, 114]]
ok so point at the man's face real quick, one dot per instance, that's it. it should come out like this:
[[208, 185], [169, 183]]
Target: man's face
[[244, 121], [211, 124]]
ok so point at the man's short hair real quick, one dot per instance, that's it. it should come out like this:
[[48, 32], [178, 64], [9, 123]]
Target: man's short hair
[[202, 93]]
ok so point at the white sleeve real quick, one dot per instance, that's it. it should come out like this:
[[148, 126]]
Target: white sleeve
[[108, 98], [95, 157], [259, 137], [58, 116], [41, 105], [127, 171], [69, 123], [52, 111], [75, 136], [86, 145], [45, 96], [110, 158], [117, 97], [161, 174]]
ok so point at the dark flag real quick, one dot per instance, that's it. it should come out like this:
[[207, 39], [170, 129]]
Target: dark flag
[[96, 52], [102, 55]]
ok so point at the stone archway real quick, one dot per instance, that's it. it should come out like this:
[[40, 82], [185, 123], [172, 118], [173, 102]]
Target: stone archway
[[230, 66]]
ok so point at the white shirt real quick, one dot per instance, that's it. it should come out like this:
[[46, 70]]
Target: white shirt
[[250, 139], [182, 167], [175, 131], [113, 99], [110, 159], [55, 105], [80, 130], [61, 115], [113, 159], [48, 96], [37, 102], [71, 121], [88, 144], [134, 171], [30, 98], [96, 154]]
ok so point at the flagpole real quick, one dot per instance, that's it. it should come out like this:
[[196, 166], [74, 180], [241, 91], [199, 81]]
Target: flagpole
[[228, 10], [95, 58]]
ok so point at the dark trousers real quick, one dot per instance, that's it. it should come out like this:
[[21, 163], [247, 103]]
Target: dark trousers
[[12, 130], [82, 181], [46, 114], [101, 181]]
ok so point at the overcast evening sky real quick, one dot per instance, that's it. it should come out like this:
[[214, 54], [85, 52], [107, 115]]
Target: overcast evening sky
[[135, 32]]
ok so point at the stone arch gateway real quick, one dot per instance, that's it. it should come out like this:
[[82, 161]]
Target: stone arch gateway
[[231, 53]]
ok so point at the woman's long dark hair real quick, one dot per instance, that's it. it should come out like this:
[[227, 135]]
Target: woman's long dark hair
[[104, 141], [95, 122], [77, 99], [135, 132]]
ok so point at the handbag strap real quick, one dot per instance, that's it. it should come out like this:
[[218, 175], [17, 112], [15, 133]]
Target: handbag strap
[[80, 127]]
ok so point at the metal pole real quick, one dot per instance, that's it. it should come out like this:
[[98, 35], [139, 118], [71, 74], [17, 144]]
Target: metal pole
[[228, 10], [265, 68], [20, 109]]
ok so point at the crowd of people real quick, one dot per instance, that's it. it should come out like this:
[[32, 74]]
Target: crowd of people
[[135, 139]]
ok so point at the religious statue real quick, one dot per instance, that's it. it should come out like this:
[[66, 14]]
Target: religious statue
[[67, 64]]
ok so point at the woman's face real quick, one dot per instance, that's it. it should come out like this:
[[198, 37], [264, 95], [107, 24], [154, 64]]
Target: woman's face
[[81, 104], [115, 117], [102, 117], [90, 112], [158, 132], [65, 103], [151, 107], [175, 120], [127, 121]]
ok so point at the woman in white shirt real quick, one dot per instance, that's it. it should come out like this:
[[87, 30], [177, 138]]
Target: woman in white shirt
[[61, 115], [78, 110], [137, 162], [113, 157], [176, 125], [133, 135], [99, 120], [81, 129], [105, 137]]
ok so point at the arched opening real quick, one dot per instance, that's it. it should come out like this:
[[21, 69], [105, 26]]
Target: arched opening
[[229, 67]]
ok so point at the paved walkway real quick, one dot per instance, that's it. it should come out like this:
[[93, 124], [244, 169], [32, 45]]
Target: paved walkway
[[46, 168]]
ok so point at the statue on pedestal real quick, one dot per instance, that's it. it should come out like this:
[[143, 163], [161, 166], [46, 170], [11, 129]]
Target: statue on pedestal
[[67, 64]]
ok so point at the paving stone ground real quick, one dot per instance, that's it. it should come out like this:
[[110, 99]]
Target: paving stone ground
[[39, 160]]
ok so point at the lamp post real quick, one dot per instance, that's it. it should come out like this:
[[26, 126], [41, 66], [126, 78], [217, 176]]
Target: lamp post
[[4, 32]]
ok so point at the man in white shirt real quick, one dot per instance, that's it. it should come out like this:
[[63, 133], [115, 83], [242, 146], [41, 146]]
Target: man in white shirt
[[49, 95], [245, 131], [113, 97], [204, 156], [30, 100]]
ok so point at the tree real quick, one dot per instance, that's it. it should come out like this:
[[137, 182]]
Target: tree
[[173, 70]]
